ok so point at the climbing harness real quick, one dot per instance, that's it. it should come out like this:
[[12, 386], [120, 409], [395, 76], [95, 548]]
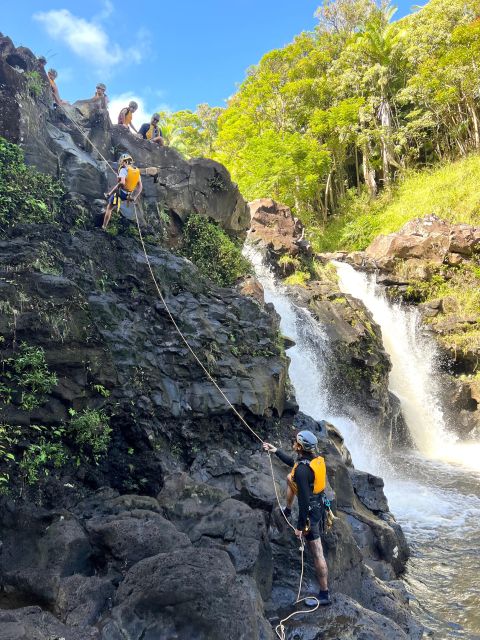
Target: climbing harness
[[280, 628]]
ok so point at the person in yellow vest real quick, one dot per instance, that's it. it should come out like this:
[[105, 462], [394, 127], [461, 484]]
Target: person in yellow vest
[[308, 480], [129, 186], [126, 114], [152, 131]]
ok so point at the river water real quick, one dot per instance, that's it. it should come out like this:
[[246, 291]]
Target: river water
[[434, 491]]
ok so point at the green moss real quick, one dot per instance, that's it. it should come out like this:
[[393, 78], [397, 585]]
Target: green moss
[[299, 278]]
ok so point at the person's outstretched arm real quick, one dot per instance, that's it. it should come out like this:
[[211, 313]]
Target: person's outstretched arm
[[284, 457]]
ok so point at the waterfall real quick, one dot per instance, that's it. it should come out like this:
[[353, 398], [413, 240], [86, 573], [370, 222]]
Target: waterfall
[[437, 503], [414, 375], [308, 370]]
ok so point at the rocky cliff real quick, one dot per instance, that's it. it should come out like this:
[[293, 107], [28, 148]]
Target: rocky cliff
[[137, 506]]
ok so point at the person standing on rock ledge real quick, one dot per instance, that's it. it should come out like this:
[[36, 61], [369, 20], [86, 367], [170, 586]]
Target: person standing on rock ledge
[[307, 481]]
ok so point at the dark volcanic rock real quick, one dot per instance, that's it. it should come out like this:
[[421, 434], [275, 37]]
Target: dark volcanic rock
[[53, 141], [174, 533], [166, 597]]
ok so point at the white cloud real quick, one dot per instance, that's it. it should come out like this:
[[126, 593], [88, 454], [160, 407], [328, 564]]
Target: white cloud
[[89, 40], [141, 115]]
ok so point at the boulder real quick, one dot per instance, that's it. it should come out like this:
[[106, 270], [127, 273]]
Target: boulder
[[345, 619], [38, 550], [81, 601], [129, 537], [250, 286], [275, 228], [33, 623], [427, 239], [184, 594]]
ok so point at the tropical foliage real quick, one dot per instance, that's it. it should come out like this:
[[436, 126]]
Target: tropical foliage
[[26, 195], [354, 105]]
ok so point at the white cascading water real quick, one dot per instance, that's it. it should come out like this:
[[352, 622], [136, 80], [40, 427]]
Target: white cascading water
[[413, 377], [437, 503]]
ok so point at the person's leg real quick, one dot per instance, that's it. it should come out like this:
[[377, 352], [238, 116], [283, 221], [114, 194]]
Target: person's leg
[[319, 562], [290, 497], [108, 215]]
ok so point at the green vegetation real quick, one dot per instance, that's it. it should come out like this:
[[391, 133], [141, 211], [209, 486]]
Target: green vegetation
[[213, 252], [30, 452], [332, 121], [91, 431], [26, 195], [39, 457], [191, 132], [34, 83], [26, 374], [298, 278], [450, 191]]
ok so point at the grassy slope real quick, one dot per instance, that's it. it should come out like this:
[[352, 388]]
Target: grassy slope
[[451, 191]]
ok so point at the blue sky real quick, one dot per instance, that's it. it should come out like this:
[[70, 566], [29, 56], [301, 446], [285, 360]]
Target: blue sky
[[173, 54]]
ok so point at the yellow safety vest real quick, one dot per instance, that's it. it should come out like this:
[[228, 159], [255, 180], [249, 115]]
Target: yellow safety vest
[[132, 178], [317, 465], [151, 131]]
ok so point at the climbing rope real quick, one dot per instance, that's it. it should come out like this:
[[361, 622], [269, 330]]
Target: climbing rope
[[280, 628]]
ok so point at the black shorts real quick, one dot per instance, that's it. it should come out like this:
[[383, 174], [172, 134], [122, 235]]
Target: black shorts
[[316, 517]]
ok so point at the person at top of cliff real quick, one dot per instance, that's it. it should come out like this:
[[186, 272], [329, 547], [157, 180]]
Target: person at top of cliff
[[52, 76], [129, 186], [100, 94], [151, 131], [126, 114], [307, 481]]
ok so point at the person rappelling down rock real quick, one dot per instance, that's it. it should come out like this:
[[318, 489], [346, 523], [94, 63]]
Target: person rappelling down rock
[[307, 481], [128, 188]]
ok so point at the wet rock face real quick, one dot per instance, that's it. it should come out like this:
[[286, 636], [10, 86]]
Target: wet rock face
[[54, 144], [354, 356]]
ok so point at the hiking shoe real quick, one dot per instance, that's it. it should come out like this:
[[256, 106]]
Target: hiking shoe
[[322, 599]]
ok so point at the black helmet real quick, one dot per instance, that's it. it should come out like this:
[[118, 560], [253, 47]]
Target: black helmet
[[307, 440]]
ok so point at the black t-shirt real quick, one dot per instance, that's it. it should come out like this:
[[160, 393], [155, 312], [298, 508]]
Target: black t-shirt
[[304, 479]]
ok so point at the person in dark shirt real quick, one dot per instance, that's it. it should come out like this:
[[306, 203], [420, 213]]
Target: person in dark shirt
[[307, 481], [152, 131]]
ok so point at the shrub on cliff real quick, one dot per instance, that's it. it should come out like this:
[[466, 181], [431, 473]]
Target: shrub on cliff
[[26, 195], [212, 251]]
